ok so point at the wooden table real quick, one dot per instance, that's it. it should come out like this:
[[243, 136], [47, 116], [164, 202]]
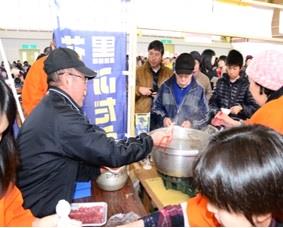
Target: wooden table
[[122, 201], [152, 198]]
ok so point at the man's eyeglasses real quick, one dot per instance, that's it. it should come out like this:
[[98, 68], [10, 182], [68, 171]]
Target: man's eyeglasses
[[78, 76]]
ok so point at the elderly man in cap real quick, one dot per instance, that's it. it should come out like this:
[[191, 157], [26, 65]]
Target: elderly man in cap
[[181, 100], [57, 144]]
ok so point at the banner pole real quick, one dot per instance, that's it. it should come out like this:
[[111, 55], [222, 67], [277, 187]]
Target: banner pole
[[132, 70], [11, 82]]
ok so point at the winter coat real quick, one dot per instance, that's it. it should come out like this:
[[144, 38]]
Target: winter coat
[[144, 78], [194, 106], [227, 95], [58, 147]]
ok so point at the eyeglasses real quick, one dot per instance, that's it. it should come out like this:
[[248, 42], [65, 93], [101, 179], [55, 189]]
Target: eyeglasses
[[78, 76]]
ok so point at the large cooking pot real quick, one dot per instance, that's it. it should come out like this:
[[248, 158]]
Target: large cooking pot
[[177, 159]]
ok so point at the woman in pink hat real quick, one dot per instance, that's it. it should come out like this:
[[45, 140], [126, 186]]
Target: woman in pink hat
[[266, 85]]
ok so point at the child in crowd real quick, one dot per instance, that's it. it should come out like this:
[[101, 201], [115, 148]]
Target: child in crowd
[[266, 86]]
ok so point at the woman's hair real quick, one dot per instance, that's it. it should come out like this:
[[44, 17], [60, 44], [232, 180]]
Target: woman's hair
[[8, 155], [206, 57], [271, 94], [241, 171]]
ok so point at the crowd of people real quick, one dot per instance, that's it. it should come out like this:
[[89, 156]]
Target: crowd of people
[[240, 167], [198, 87]]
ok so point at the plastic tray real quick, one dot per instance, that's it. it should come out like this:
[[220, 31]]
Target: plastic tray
[[90, 214]]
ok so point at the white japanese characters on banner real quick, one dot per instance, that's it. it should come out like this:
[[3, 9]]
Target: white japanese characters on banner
[[96, 32], [104, 52]]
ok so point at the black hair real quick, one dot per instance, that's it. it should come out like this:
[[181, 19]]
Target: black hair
[[248, 57], [234, 58], [241, 171], [222, 57], [156, 45], [47, 50], [271, 94], [206, 57], [8, 154]]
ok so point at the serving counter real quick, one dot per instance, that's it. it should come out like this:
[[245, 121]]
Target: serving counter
[[153, 194], [122, 201]]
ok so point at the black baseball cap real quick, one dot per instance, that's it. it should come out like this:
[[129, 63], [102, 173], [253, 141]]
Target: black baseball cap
[[185, 64], [63, 58]]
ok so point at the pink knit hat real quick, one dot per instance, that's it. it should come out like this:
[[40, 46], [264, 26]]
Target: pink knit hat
[[266, 69]]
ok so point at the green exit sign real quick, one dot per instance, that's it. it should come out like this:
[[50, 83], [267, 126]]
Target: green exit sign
[[166, 41], [29, 46]]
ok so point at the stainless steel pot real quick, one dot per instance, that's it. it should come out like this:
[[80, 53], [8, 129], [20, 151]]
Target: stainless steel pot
[[177, 159], [113, 180]]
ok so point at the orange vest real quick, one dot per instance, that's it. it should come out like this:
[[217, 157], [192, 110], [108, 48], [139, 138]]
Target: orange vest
[[35, 86], [12, 212], [269, 115], [197, 212]]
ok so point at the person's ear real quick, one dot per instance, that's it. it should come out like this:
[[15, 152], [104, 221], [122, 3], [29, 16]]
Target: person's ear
[[65, 81], [262, 220]]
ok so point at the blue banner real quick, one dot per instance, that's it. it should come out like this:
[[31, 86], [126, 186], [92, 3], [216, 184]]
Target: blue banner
[[105, 52]]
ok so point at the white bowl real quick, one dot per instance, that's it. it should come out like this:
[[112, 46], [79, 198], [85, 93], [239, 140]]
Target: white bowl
[[110, 181]]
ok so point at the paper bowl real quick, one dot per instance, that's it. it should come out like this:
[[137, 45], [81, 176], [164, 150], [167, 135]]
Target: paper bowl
[[226, 111]]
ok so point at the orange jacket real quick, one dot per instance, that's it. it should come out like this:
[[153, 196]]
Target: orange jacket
[[12, 212], [198, 214], [35, 86], [269, 115]]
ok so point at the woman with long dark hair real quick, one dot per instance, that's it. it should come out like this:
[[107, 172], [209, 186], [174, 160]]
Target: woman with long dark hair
[[12, 212], [207, 63], [11, 199]]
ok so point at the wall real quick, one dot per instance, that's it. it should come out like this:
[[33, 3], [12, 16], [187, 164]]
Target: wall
[[182, 46], [13, 40]]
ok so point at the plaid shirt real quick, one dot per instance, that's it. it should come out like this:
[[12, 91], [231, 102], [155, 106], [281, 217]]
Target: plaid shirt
[[170, 216], [193, 107]]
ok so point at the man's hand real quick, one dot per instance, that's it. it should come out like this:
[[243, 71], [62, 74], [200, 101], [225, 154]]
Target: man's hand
[[221, 119], [162, 138], [146, 91], [236, 109], [167, 122], [186, 124]]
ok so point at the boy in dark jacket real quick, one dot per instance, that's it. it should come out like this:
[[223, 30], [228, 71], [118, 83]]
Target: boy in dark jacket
[[232, 90]]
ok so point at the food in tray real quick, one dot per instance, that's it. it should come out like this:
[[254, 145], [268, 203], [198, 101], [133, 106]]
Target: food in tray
[[89, 213]]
